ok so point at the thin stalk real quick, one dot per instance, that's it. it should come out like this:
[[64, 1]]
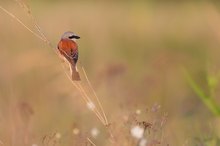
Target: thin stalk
[[19, 21], [91, 141], [207, 100], [78, 86], [99, 103], [85, 98]]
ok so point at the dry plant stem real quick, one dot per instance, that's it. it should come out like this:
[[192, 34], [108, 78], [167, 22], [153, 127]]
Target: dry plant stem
[[85, 97], [90, 101], [27, 133], [162, 126], [28, 11], [102, 117], [42, 37], [19, 21], [99, 103], [97, 113], [85, 94], [112, 138], [91, 141], [13, 129]]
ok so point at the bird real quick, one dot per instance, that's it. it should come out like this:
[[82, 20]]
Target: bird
[[68, 49]]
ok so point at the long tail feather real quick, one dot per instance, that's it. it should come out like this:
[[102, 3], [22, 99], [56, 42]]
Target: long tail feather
[[75, 73]]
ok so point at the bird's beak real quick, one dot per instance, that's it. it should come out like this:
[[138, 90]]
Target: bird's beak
[[77, 37]]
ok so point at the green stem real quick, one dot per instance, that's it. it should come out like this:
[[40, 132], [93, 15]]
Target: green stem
[[207, 100]]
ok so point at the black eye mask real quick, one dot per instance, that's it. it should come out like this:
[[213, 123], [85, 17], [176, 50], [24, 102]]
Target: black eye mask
[[74, 37]]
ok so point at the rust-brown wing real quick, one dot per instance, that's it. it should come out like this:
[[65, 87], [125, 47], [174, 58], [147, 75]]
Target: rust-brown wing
[[69, 50]]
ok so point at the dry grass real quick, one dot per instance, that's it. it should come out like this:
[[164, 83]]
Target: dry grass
[[96, 108], [132, 63]]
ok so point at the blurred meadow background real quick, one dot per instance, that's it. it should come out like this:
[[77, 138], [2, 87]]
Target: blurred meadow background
[[139, 55]]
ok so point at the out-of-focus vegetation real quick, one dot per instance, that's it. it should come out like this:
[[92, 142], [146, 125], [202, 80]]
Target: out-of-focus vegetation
[[136, 54]]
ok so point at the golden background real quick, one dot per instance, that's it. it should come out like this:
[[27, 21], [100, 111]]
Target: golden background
[[136, 55]]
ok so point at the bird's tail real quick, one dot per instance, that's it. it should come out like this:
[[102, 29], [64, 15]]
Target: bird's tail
[[75, 73]]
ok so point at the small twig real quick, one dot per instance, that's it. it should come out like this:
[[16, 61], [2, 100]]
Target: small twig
[[95, 109], [36, 25], [99, 103], [91, 141], [206, 99], [112, 139], [85, 97], [101, 116], [19, 21]]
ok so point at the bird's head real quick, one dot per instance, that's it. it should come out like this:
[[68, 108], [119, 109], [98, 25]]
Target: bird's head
[[70, 35]]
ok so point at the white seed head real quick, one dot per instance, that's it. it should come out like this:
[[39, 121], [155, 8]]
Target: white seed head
[[76, 131], [58, 135], [95, 132], [143, 142], [138, 111], [137, 132], [90, 105]]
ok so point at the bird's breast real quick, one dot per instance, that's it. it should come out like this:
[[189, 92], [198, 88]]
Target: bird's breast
[[67, 46]]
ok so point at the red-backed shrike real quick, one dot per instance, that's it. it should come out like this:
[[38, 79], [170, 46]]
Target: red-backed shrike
[[68, 49]]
